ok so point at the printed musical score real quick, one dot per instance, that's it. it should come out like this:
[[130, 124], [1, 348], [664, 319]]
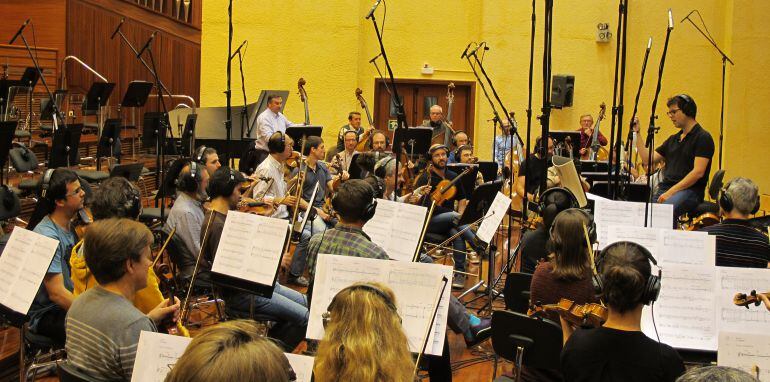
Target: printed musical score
[[494, 217], [669, 246], [23, 265], [745, 351], [620, 213], [396, 227], [302, 366], [156, 354]]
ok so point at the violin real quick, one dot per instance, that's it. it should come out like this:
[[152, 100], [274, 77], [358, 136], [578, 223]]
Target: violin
[[166, 282], [752, 298], [82, 219], [445, 189], [702, 221], [294, 160], [251, 206], [587, 315], [595, 147], [409, 178]]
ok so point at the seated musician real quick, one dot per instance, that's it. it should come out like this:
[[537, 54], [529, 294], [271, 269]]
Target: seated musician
[[532, 168], [385, 169], [688, 156], [442, 132], [102, 325], [288, 307], [115, 198], [465, 155], [231, 351], [362, 324], [62, 197], [316, 172], [502, 144], [738, 243], [459, 139], [618, 350], [208, 157], [586, 130], [379, 142], [187, 214], [272, 187], [444, 220], [343, 159], [354, 124], [534, 244]]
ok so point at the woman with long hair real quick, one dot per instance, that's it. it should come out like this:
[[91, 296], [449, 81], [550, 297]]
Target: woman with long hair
[[364, 340]]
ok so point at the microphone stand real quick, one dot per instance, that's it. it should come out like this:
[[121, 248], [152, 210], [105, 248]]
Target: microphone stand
[[525, 201], [651, 130], [228, 91], [400, 113], [630, 139], [545, 118], [244, 110], [725, 60], [617, 99]]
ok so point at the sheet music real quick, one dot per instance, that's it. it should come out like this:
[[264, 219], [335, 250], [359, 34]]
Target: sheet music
[[250, 247], [415, 285], [396, 227], [744, 350], [684, 312], [302, 366], [156, 354], [741, 280], [23, 265], [594, 197], [669, 247], [611, 212], [494, 217]]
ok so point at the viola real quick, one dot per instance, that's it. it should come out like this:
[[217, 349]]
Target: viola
[[743, 299], [587, 315], [702, 221], [445, 189], [82, 219]]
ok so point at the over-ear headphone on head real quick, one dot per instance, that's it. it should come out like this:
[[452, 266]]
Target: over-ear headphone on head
[[688, 108], [189, 181], [327, 316], [380, 169], [277, 142], [652, 286], [133, 204], [199, 154], [46, 182], [552, 194], [726, 201], [369, 209]]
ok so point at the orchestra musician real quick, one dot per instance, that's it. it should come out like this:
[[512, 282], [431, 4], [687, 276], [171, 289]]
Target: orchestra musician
[[586, 135], [688, 156], [379, 142], [208, 157], [344, 158], [103, 326], [269, 122], [354, 124], [271, 187], [316, 172], [442, 133], [459, 139], [537, 166], [287, 306], [464, 154], [503, 143], [62, 193]]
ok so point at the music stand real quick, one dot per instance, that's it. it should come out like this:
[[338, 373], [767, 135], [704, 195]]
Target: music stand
[[46, 107], [416, 140], [151, 130], [488, 170], [188, 135], [355, 171], [467, 183], [594, 166], [131, 171], [97, 96], [559, 137], [7, 132], [480, 201], [298, 132], [136, 94], [30, 77], [533, 342], [110, 137], [64, 149]]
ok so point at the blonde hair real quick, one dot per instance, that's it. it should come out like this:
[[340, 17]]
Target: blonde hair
[[231, 352], [364, 340]]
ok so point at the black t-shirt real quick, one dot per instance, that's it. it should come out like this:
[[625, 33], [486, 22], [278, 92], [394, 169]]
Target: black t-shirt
[[680, 157], [533, 248], [536, 168], [604, 354], [448, 205]]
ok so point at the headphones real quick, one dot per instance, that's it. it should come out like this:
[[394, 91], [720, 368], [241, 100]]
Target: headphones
[[189, 182], [369, 209], [380, 169], [133, 204], [454, 136], [46, 182], [460, 150], [199, 154], [326, 317], [277, 142], [387, 140], [590, 226], [549, 194], [726, 202], [689, 108], [651, 288]]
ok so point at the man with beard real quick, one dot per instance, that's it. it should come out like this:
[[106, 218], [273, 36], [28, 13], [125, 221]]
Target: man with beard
[[379, 142]]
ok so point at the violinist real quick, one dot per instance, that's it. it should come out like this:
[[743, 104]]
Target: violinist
[[62, 196], [286, 306], [272, 187], [618, 350], [103, 326], [464, 154], [208, 157], [379, 142], [316, 172], [586, 135], [343, 159], [459, 139], [385, 169]]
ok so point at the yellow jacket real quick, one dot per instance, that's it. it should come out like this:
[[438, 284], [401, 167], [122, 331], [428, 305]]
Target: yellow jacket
[[145, 300]]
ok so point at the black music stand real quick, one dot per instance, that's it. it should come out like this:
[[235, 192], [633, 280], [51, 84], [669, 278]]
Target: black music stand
[[355, 171], [298, 132], [97, 96], [151, 132], [526, 341], [109, 140], [30, 77], [594, 166], [46, 106], [188, 135], [480, 201], [64, 149], [5, 87], [416, 140], [488, 170], [136, 94], [467, 183], [7, 133], [131, 171], [560, 137]]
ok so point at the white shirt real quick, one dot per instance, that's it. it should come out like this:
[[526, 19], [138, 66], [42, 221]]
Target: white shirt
[[274, 187], [267, 124], [345, 160]]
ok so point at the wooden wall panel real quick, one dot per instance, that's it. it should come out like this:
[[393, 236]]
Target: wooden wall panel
[[47, 16]]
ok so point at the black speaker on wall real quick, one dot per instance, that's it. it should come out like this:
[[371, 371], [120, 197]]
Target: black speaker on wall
[[562, 90]]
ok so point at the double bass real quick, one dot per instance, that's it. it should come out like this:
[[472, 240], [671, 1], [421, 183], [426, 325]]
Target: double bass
[[363, 142], [596, 151], [303, 97]]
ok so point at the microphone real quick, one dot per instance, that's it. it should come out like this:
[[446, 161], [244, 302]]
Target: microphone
[[244, 43], [375, 58], [147, 45], [649, 43], [19, 32], [688, 15], [670, 20], [473, 52], [465, 52], [122, 20], [374, 7]]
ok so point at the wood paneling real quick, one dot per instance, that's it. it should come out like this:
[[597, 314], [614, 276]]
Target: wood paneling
[[47, 20]]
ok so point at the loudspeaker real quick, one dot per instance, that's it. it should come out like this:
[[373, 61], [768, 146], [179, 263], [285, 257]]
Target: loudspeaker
[[562, 90]]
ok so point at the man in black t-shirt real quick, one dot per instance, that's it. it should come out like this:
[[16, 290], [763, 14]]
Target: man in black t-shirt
[[687, 154], [531, 170]]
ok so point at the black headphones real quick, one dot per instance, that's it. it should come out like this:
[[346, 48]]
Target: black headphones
[[326, 317], [726, 202], [133, 204], [380, 169], [46, 182], [189, 181], [548, 195], [689, 108], [199, 154], [590, 226], [277, 142], [454, 136], [369, 209], [460, 150], [651, 288]]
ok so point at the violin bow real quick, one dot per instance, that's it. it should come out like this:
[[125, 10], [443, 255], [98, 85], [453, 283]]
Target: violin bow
[[163, 247]]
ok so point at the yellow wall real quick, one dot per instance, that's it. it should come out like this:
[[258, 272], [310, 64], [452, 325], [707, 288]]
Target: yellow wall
[[329, 44]]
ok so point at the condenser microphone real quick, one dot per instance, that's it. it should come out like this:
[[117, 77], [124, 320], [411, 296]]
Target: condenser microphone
[[19, 32], [374, 8], [122, 20], [670, 20], [465, 52], [147, 45]]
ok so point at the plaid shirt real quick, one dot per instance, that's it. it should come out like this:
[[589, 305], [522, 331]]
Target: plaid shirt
[[345, 241]]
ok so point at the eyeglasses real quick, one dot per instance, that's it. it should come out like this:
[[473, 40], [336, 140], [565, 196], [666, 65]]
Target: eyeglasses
[[672, 112], [74, 193]]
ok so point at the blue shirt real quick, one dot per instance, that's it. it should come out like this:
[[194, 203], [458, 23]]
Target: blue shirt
[[502, 146], [59, 265]]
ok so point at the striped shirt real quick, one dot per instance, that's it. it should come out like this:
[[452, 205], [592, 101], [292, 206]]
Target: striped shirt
[[740, 245], [102, 335]]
